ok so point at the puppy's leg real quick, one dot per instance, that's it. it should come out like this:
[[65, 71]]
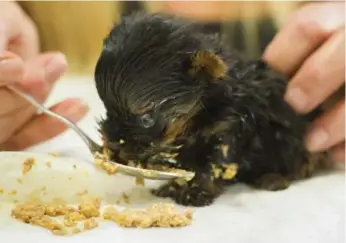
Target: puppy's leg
[[200, 191]]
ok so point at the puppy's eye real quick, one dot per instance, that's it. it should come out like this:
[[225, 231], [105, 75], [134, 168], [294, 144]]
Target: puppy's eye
[[147, 121]]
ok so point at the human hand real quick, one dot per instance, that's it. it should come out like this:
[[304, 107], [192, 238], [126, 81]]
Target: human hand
[[23, 66], [19, 125], [18, 33], [311, 48]]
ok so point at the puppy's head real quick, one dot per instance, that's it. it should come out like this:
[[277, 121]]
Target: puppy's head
[[152, 76]]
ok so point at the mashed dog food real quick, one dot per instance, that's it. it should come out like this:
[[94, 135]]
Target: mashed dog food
[[64, 220]]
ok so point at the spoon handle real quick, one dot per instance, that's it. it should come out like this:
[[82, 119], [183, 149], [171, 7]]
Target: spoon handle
[[41, 109]]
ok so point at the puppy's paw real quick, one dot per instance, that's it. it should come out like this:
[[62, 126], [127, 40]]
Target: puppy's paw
[[272, 182], [188, 194]]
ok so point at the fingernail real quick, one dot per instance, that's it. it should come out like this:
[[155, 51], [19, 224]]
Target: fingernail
[[297, 99], [77, 110], [56, 67], [316, 139]]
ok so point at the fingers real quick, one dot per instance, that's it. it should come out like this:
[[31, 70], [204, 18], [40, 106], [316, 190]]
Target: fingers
[[43, 127], [11, 68], [38, 79], [303, 33], [18, 32], [26, 45], [320, 75], [42, 72], [3, 38], [328, 130]]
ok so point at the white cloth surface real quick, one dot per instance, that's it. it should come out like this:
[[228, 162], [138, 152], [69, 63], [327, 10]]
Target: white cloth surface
[[312, 211]]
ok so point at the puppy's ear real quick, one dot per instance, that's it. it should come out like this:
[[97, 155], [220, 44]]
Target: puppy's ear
[[207, 64]]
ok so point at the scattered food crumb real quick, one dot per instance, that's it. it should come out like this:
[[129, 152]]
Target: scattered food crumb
[[76, 230], [90, 207], [13, 192], [20, 181], [126, 198], [27, 165], [140, 181], [82, 193], [49, 164], [1, 190], [90, 224], [74, 166], [54, 154]]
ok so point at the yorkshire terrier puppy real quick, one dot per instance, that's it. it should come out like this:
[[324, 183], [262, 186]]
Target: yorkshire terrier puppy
[[178, 97]]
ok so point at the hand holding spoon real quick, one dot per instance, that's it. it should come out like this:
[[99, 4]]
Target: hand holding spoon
[[94, 148]]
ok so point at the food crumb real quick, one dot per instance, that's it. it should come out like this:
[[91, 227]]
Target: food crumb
[[90, 224], [58, 210], [230, 172], [126, 198], [54, 154], [76, 230], [102, 162], [139, 181], [74, 166], [1, 190], [82, 193], [13, 192], [90, 207], [49, 164], [68, 222], [27, 165]]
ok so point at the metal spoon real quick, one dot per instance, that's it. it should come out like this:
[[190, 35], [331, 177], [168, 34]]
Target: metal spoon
[[94, 147]]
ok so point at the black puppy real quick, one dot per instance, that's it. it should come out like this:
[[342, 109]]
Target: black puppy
[[176, 96]]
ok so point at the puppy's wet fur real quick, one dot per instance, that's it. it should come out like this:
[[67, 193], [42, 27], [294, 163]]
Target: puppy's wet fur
[[170, 89]]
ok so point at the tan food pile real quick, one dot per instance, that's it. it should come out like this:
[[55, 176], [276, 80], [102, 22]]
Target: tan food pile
[[58, 218], [156, 215], [62, 219], [66, 220]]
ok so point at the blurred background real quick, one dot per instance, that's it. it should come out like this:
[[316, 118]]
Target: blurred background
[[78, 28]]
